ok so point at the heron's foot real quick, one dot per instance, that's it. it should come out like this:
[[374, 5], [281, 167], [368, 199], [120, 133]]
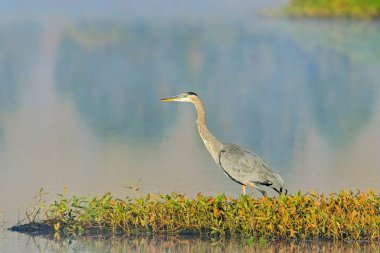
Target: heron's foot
[[281, 189], [243, 188]]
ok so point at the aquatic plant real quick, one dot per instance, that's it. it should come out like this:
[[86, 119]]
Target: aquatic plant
[[334, 8], [344, 216]]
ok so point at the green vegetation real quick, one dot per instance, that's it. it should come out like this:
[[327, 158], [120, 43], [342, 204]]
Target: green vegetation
[[362, 9], [343, 216]]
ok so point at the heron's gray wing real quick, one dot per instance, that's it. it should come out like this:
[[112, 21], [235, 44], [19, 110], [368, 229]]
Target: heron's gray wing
[[243, 165]]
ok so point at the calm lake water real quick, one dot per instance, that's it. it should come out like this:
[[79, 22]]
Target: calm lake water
[[80, 104]]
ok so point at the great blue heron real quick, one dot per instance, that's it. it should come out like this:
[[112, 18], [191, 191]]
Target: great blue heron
[[240, 164]]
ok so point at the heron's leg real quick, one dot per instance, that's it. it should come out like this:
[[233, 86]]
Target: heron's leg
[[262, 192], [280, 191], [258, 188], [250, 184], [243, 187]]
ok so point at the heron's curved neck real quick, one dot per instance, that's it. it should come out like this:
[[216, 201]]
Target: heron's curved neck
[[212, 144]]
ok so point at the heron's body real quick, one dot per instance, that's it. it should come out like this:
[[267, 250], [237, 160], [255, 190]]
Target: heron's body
[[240, 164]]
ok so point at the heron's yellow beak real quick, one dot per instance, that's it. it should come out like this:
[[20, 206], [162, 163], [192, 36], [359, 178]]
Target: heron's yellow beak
[[169, 99]]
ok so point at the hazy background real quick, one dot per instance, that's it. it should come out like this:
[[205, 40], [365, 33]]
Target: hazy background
[[81, 82]]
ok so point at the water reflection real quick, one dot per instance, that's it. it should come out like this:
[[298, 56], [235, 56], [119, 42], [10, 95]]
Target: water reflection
[[79, 107], [268, 76], [338, 106], [18, 47], [183, 244], [80, 104], [113, 77]]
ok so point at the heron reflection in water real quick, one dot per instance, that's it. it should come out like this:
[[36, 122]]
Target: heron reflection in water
[[241, 165]]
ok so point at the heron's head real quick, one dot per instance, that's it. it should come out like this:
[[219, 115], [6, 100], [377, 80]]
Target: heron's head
[[183, 97]]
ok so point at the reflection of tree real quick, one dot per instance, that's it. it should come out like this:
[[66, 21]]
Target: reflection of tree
[[18, 49], [116, 84], [342, 97], [189, 243], [116, 74], [357, 41], [342, 83], [8, 84]]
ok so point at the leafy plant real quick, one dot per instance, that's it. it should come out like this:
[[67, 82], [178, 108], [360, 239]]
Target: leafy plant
[[339, 216]]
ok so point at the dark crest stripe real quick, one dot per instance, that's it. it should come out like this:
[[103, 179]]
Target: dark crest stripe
[[192, 93]]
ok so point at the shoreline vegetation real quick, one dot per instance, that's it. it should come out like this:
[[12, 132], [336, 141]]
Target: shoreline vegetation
[[354, 9], [337, 216]]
